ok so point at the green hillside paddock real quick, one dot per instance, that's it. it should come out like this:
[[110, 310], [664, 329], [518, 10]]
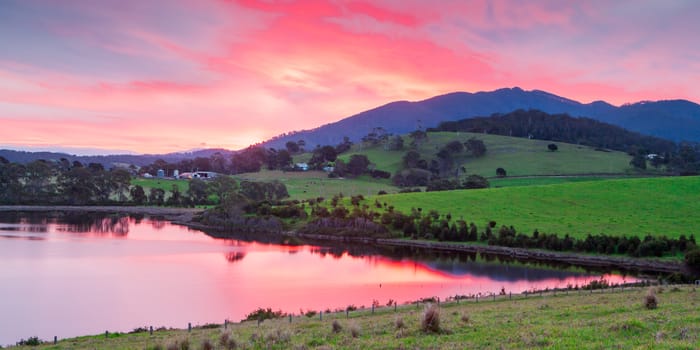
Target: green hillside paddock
[[518, 156], [658, 206]]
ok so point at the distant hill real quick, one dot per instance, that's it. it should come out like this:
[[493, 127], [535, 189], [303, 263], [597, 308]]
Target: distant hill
[[562, 128], [109, 161], [674, 119]]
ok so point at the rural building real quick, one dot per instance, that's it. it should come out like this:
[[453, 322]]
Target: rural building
[[199, 175]]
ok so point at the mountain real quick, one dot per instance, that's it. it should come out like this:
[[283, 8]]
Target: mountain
[[109, 161], [675, 120]]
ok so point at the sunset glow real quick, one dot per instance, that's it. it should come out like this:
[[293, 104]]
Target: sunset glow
[[170, 75]]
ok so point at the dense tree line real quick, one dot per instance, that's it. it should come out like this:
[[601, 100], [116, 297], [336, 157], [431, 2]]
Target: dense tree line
[[562, 128], [63, 182]]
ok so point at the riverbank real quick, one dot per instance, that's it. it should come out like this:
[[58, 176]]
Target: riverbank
[[586, 260], [612, 318]]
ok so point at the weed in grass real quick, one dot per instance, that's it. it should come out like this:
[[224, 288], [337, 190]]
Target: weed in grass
[[683, 335], [659, 336], [651, 301], [430, 322], [535, 340], [336, 326], [465, 318], [354, 330]]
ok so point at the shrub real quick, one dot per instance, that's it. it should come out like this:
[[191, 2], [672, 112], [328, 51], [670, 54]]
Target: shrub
[[336, 326], [31, 341], [431, 319], [650, 300]]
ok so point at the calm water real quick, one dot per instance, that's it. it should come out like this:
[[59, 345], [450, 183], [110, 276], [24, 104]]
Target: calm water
[[84, 275]]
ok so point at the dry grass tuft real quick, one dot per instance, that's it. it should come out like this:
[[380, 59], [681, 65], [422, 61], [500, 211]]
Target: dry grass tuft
[[651, 301], [354, 330], [430, 321], [465, 318], [336, 326], [399, 323], [207, 345]]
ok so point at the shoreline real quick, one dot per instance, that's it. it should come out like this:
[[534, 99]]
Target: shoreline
[[183, 216], [180, 216]]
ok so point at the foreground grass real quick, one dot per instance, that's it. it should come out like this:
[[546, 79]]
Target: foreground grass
[[577, 320], [656, 206]]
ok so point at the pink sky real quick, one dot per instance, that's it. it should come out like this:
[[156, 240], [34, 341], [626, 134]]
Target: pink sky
[[169, 75]]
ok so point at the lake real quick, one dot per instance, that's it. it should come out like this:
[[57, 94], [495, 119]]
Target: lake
[[83, 274]]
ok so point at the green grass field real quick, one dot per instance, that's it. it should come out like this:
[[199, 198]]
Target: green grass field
[[497, 182], [311, 184], [163, 184], [658, 206], [518, 156], [576, 320]]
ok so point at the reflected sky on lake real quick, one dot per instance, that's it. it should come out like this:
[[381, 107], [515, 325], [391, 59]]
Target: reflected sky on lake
[[87, 274]]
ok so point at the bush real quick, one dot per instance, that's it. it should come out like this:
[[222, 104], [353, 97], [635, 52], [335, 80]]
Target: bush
[[431, 319], [650, 300], [263, 314], [692, 258], [31, 341]]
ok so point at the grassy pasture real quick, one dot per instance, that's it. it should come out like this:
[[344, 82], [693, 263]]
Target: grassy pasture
[[163, 184], [311, 184], [576, 320], [638, 207], [518, 156]]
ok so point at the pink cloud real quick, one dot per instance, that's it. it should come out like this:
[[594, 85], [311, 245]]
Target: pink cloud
[[231, 73]]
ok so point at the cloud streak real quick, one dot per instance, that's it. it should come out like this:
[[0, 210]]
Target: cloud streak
[[161, 76]]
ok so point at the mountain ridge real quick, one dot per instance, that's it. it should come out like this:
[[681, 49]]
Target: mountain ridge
[[676, 120]]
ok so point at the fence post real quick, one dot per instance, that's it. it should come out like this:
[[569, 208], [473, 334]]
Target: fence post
[[55, 340], [347, 313], [394, 306], [189, 327], [226, 324], [372, 308], [477, 298], [290, 318], [150, 330], [494, 296], [106, 334], [510, 295], [320, 315]]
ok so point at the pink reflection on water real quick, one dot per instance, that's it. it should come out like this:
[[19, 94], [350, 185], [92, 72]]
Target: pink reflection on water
[[69, 282]]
